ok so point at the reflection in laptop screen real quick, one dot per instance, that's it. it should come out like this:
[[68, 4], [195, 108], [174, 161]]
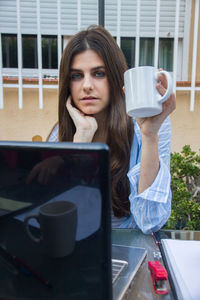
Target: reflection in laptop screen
[[32, 174]]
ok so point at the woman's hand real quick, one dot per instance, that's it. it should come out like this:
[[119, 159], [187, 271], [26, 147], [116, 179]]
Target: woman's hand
[[86, 126], [149, 126], [45, 170]]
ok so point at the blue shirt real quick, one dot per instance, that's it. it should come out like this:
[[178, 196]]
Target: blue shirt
[[151, 209]]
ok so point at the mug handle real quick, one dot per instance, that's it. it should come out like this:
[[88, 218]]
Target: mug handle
[[26, 220], [168, 92]]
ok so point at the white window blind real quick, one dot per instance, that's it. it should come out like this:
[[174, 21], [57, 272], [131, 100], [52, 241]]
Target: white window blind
[[28, 15], [8, 16], [89, 15], [147, 17]]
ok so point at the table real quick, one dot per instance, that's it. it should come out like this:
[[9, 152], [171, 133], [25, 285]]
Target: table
[[141, 287]]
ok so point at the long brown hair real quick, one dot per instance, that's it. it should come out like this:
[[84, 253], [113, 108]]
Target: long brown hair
[[120, 126]]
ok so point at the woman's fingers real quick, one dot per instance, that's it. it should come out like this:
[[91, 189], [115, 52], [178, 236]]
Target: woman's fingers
[[169, 105], [162, 83], [160, 88], [77, 116], [71, 109], [32, 174], [151, 125]]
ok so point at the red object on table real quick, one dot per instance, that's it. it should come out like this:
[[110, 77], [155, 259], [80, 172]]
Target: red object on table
[[159, 277]]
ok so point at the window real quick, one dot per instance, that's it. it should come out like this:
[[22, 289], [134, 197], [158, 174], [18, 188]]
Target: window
[[146, 57], [49, 52], [146, 52], [165, 59], [9, 50], [128, 48], [29, 51]]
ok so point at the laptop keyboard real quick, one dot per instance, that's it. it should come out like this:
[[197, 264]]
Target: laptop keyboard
[[117, 267]]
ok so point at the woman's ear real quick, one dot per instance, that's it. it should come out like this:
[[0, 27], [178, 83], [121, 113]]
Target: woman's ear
[[123, 89]]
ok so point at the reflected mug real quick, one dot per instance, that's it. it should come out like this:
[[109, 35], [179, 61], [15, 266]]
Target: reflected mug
[[141, 94], [58, 225]]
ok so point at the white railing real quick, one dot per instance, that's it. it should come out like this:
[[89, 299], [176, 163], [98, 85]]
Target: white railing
[[193, 87], [194, 56], [40, 72]]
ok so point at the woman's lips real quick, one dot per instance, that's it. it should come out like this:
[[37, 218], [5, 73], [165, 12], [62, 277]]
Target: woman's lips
[[90, 99]]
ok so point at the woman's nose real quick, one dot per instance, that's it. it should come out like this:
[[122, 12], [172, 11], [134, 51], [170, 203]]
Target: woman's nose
[[87, 83]]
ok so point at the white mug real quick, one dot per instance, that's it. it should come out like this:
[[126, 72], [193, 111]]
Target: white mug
[[142, 96]]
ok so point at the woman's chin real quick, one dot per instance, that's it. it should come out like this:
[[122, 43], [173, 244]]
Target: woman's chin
[[89, 112]]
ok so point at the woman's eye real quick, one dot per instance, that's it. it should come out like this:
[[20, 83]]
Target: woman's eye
[[100, 74], [75, 76]]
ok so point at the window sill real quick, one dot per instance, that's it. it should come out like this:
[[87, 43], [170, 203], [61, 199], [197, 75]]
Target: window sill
[[51, 81], [35, 81]]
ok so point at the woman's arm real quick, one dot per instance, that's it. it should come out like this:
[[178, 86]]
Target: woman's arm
[[151, 208], [149, 162], [149, 132], [150, 198]]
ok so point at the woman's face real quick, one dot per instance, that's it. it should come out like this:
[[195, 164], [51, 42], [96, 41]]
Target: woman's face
[[89, 83]]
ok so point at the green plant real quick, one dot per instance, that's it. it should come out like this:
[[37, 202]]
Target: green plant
[[185, 185]]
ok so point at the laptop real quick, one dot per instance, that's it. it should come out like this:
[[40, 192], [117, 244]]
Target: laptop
[[32, 174]]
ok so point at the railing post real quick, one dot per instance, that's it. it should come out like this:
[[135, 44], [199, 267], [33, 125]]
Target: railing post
[[19, 42], [1, 76], [39, 50], [101, 12], [194, 55]]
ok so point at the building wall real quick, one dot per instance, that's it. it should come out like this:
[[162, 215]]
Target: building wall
[[23, 124], [185, 124]]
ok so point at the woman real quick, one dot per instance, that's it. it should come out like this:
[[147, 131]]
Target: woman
[[92, 109]]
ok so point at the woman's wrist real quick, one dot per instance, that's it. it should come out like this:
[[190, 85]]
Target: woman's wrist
[[149, 161], [151, 139], [83, 136]]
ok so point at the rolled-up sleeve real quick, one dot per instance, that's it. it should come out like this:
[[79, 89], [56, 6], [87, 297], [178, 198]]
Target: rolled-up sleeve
[[151, 209]]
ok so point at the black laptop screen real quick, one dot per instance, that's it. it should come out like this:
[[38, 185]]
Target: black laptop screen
[[32, 174]]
